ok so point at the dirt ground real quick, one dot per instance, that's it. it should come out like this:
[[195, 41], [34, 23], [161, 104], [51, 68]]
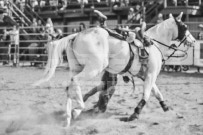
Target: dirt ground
[[41, 111]]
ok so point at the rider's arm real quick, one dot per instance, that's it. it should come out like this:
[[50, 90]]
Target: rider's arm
[[100, 14], [201, 25]]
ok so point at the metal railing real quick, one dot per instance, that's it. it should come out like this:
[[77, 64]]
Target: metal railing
[[34, 51], [168, 3]]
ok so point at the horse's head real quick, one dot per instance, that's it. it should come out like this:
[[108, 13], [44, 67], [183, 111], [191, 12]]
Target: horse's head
[[182, 32]]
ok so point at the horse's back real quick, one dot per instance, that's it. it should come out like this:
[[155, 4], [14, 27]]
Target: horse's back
[[91, 43]]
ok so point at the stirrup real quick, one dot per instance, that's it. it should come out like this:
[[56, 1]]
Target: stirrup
[[143, 57], [143, 54]]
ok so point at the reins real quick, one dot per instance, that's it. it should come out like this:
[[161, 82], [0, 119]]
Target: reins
[[170, 47], [130, 62]]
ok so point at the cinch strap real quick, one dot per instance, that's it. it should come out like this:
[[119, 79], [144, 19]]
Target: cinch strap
[[128, 66]]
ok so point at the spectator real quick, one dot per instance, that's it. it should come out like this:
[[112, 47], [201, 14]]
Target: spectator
[[116, 3], [74, 30], [49, 25], [82, 27], [22, 22], [4, 35], [34, 25], [22, 5], [84, 1], [1, 4], [48, 32], [53, 3], [40, 26], [59, 34], [1, 10], [42, 3], [131, 15], [4, 38], [160, 18], [200, 36], [49, 29], [134, 16], [123, 3], [14, 38], [7, 8], [126, 2], [17, 2], [63, 4], [33, 4], [182, 2], [14, 35], [138, 14]]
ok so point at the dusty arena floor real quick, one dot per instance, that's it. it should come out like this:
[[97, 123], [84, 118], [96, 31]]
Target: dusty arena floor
[[41, 111]]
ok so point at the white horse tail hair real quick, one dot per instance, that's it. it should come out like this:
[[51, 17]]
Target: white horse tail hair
[[52, 63], [55, 57]]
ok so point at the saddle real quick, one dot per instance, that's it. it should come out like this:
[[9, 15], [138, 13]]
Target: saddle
[[143, 54]]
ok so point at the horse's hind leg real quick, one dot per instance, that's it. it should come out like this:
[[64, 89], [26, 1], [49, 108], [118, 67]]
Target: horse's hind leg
[[74, 90], [159, 96], [74, 94]]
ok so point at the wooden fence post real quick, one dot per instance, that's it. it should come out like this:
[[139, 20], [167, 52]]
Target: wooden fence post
[[9, 54], [17, 54]]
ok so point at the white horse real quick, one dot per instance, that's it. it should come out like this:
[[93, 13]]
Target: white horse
[[94, 51]]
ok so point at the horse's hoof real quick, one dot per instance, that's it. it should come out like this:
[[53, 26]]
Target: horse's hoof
[[133, 117], [102, 109], [125, 119], [166, 108]]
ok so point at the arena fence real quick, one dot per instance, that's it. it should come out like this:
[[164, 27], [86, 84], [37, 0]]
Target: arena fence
[[32, 48]]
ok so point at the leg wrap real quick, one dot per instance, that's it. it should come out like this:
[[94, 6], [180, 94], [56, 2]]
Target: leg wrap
[[103, 101], [139, 107], [110, 80], [137, 110], [164, 106]]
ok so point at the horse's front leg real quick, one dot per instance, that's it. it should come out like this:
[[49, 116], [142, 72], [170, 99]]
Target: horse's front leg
[[159, 97], [148, 83]]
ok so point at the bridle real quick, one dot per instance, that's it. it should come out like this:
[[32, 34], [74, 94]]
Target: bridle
[[182, 28]]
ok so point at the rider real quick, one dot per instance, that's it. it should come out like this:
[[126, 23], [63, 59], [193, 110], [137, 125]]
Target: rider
[[143, 53], [102, 23]]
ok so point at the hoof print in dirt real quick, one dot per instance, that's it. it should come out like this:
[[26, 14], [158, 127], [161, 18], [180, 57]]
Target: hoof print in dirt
[[179, 116]]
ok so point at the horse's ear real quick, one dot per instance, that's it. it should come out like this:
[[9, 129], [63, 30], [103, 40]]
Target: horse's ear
[[170, 15], [179, 17]]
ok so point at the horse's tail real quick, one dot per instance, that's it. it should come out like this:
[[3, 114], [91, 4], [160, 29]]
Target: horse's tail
[[55, 57]]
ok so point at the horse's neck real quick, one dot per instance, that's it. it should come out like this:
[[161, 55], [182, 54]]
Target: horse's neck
[[161, 32]]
